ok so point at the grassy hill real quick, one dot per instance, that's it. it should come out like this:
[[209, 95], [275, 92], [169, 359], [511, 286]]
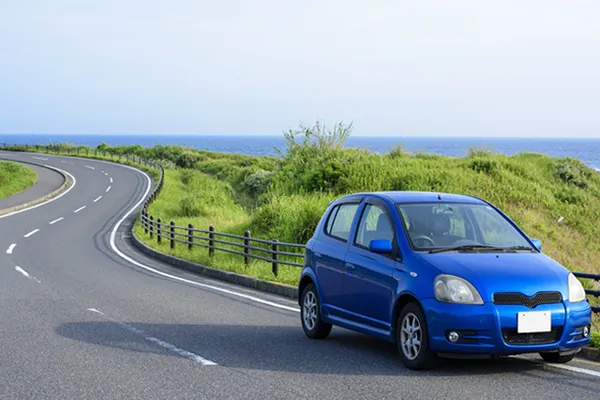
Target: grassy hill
[[555, 200]]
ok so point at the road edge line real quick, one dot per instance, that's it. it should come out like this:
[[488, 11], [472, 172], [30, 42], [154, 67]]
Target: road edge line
[[68, 184]]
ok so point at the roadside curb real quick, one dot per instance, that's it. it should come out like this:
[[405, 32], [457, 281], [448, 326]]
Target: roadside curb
[[238, 279], [590, 353], [66, 183]]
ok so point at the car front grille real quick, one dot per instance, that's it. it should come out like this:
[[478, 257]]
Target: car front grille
[[511, 336], [513, 298]]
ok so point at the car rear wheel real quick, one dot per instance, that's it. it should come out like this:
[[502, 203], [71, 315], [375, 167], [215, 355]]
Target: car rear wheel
[[310, 314], [557, 358], [412, 339]]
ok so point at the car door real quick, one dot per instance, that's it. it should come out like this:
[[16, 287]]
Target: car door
[[370, 282], [330, 253]]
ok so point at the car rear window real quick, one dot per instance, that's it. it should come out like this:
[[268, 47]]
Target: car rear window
[[340, 221]]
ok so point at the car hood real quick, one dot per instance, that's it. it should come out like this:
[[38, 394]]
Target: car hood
[[526, 273]]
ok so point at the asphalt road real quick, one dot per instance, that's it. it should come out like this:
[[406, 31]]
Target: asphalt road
[[77, 320], [47, 182]]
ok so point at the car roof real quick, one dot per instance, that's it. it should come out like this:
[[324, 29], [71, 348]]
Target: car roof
[[422, 197]]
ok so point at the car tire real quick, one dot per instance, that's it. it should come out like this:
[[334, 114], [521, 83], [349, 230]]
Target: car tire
[[412, 339], [310, 314], [556, 358]]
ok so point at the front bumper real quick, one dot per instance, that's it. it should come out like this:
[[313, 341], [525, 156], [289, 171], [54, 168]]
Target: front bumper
[[492, 329]]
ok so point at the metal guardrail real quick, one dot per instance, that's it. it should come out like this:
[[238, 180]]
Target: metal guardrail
[[245, 246]]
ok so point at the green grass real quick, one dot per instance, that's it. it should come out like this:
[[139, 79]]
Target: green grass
[[595, 342], [15, 178]]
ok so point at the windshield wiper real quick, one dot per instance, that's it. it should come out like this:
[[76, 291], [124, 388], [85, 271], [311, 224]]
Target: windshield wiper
[[517, 248], [466, 247]]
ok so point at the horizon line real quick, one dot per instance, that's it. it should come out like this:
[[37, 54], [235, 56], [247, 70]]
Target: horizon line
[[280, 135]]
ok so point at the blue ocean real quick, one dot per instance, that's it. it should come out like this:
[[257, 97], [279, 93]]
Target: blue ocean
[[587, 150]]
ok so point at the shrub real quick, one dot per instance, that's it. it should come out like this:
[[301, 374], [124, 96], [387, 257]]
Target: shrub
[[191, 207], [186, 176], [397, 152], [572, 172], [484, 165], [595, 342], [257, 183], [187, 160]]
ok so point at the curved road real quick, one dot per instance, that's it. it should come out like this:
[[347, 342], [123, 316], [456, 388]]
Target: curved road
[[84, 316]]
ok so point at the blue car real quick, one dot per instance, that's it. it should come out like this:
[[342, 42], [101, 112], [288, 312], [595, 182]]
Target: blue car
[[439, 275]]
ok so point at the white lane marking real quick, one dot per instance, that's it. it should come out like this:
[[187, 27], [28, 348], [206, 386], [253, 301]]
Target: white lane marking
[[63, 161], [31, 233], [103, 172], [89, 166], [562, 366], [113, 236], [79, 209], [108, 188], [99, 197], [40, 158], [11, 248], [161, 343], [22, 271], [56, 220], [49, 201], [111, 181]]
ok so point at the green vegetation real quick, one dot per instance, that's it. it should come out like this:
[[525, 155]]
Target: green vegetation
[[15, 178], [555, 200], [595, 342]]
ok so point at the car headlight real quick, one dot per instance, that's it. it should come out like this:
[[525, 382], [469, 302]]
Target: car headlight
[[452, 289], [576, 290]]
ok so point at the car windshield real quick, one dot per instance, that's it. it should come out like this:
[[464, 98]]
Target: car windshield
[[443, 227]]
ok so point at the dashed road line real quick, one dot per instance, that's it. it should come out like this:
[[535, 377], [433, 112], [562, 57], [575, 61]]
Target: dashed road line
[[11, 248], [79, 209], [108, 188], [89, 166], [22, 271], [161, 343], [26, 274], [33, 232], [111, 181], [56, 220], [98, 199], [40, 158]]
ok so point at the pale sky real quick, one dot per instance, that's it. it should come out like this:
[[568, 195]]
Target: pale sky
[[394, 67]]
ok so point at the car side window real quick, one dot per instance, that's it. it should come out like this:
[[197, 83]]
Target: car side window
[[375, 224], [340, 221]]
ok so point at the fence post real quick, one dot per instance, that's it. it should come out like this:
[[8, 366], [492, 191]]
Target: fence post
[[172, 234], [246, 249], [190, 236], [151, 226], [145, 219], [275, 250], [158, 230], [211, 243]]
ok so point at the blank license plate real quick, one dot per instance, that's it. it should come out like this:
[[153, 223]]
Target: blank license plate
[[534, 321]]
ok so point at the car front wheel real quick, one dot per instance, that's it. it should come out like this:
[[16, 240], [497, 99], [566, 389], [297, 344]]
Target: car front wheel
[[412, 339], [557, 358], [310, 314]]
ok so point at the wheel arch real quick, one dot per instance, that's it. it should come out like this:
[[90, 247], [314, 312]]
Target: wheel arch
[[401, 302]]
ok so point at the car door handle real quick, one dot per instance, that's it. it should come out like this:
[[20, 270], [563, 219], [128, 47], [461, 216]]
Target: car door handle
[[350, 267]]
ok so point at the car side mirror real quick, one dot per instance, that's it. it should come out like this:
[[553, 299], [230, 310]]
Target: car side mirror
[[380, 246], [537, 243]]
